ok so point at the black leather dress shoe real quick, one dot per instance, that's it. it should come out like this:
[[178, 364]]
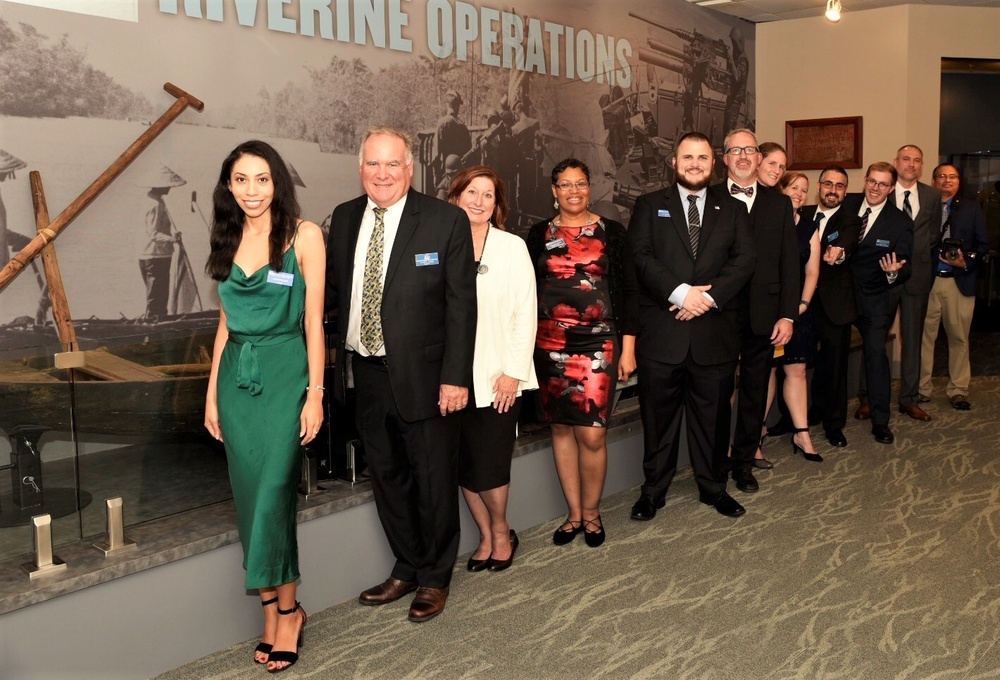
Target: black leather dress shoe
[[882, 434], [745, 481], [724, 504], [645, 508], [500, 565], [477, 565], [836, 438]]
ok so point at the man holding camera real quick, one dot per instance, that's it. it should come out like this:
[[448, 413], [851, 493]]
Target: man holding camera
[[952, 301]]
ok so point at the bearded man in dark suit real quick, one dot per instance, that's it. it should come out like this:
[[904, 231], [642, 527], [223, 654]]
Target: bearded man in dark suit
[[693, 254]]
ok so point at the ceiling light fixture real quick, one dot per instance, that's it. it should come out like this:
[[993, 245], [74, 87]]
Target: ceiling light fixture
[[833, 10]]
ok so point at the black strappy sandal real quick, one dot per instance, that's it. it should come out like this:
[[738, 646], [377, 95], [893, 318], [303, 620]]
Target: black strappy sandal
[[263, 647], [288, 657]]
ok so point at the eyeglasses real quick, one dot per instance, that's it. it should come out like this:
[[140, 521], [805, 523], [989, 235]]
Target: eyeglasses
[[566, 186], [737, 150], [827, 184], [873, 184], [943, 176]]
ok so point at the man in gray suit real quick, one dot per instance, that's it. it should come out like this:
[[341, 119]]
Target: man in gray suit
[[922, 204]]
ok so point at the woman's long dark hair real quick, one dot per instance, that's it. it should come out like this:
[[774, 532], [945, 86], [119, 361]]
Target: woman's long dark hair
[[228, 217]]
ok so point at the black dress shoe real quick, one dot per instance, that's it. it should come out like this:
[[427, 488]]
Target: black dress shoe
[[500, 565], [645, 508], [836, 438], [745, 481], [762, 463], [724, 504], [477, 565], [563, 536], [594, 537], [882, 434]]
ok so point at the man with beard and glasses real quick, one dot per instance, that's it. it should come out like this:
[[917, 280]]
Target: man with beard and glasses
[[693, 254], [833, 305], [770, 302]]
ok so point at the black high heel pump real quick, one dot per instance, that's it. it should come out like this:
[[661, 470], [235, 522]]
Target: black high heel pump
[[812, 457]]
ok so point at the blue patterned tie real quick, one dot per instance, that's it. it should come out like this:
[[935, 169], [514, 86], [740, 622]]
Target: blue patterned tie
[[864, 224]]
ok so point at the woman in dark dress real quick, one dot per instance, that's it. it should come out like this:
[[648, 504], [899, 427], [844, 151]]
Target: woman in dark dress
[[801, 349], [585, 341]]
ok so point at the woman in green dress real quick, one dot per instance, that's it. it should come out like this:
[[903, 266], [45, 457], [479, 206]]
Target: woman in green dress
[[266, 386]]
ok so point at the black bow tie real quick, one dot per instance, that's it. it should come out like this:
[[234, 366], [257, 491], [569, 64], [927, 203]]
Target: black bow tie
[[737, 189]]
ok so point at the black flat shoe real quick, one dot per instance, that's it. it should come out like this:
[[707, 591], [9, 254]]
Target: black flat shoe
[[289, 658], [564, 536], [477, 565], [594, 538], [762, 464], [500, 565], [263, 647], [811, 456]]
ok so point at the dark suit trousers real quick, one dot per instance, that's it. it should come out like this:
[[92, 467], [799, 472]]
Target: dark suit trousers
[[912, 312], [874, 327], [668, 391], [414, 473], [829, 383], [755, 370]]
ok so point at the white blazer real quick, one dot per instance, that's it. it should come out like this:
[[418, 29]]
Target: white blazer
[[508, 317]]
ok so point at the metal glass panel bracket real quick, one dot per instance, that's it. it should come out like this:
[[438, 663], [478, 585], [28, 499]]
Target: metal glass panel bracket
[[116, 541], [45, 562]]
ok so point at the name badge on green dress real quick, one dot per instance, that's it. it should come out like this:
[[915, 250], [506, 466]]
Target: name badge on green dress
[[280, 278]]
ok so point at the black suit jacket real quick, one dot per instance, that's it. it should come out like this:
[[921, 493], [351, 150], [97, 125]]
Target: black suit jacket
[[967, 224], [835, 287], [775, 288], [891, 232], [926, 237], [428, 312], [662, 257]]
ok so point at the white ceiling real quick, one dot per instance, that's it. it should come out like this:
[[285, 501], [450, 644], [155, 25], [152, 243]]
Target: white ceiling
[[759, 11]]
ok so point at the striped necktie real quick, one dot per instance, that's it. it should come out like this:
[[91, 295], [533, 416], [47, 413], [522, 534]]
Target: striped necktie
[[907, 208], [694, 224], [864, 224]]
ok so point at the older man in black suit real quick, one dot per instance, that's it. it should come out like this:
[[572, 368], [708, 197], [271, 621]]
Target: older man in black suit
[[834, 305], [693, 254], [400, 277], [922, 204], [880, 261], [769, 305]]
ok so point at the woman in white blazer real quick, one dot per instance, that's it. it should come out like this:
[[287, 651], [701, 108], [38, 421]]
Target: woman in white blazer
[[502, 366]]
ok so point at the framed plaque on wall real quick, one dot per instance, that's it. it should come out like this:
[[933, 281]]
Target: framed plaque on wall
[[817, 143]]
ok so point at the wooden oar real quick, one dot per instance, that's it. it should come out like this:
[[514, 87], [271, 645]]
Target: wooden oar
[[49, 232], [53, 276]]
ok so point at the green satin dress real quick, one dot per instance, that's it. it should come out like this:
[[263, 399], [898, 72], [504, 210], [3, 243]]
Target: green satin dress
[[263, 378]]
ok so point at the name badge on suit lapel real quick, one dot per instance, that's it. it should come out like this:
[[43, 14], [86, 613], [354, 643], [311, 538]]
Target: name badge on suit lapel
[[426, 259], [882, 243], [830, 238], [663, 213]]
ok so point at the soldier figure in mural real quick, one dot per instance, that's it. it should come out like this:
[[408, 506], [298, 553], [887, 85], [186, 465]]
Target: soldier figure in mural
[[738, 66], [163, 259], [8, 166], [452, 164], [452, 135]]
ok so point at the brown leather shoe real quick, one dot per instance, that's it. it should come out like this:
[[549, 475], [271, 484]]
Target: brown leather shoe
[[428, 603], [915, 412], [389, 591], [864, 412]]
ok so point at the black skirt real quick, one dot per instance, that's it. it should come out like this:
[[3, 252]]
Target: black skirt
[[486, 446]]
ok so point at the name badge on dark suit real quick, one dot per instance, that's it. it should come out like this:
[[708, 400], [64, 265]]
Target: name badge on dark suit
[[830, 238], [426, 259], [882, 243]]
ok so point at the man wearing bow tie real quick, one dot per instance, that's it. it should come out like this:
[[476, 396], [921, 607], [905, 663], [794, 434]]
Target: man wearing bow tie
[[769, 304]]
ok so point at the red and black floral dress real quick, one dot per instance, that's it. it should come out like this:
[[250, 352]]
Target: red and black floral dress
[[576, 348]]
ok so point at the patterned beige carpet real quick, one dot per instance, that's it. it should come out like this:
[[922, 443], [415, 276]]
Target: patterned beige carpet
[[879, 563]]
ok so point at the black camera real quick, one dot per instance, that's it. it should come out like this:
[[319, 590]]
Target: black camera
[[951, 248]]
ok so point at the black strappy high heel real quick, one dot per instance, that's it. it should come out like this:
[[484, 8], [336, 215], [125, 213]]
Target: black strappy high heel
[[812, 457], [288, 657], [263, 647]]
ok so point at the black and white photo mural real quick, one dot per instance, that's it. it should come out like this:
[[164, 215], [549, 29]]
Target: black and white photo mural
[[518, 87]]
